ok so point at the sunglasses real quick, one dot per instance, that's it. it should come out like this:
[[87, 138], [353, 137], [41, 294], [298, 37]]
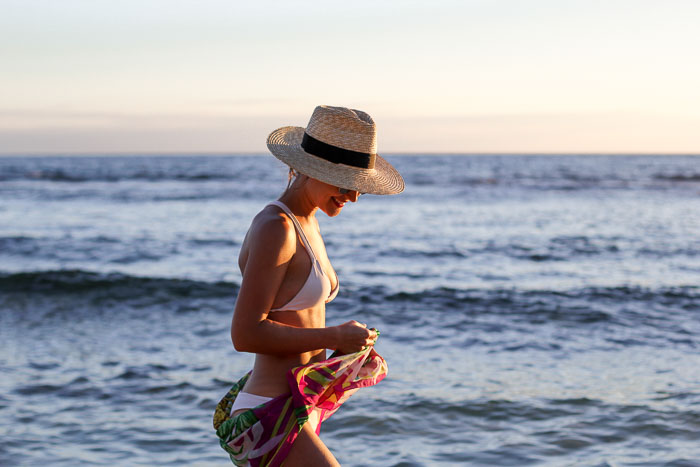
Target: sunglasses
[[345, 191]]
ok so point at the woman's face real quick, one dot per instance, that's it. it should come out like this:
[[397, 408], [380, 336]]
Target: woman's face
[[328, 198]]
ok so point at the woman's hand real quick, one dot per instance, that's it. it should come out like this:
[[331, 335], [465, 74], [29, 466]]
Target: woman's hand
[[353, 337]]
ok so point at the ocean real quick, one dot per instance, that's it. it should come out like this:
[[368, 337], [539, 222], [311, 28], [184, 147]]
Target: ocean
[[534, 310]]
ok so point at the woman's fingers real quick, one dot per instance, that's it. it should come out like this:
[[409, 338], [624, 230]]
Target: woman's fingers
[[372, 338], [357, 336]]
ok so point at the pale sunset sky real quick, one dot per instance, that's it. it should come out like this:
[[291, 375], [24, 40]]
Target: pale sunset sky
[[470, 76]]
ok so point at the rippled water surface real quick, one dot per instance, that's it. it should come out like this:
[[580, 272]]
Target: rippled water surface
[[535, 310]]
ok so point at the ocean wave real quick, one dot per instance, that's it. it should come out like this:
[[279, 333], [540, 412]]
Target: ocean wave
[[61, 175], [18, 245], [513, 319], [64, 176], [106, 249], [474, 172], [446, 252], [114, 285], [583, 305], [553, 427], [560, 248], [124, 168], [109, 249], [678, 177], [509, 296], [507, 320]]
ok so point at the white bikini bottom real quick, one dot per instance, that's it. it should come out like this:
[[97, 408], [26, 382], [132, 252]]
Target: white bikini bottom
[[246, 400]]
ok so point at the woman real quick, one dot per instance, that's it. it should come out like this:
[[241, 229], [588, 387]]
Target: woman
[[273, 414]]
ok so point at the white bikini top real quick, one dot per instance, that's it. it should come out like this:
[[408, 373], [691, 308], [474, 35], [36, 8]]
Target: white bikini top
[[317, 288]]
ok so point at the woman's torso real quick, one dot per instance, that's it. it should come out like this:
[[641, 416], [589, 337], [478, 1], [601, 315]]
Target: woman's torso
[[269, 371]]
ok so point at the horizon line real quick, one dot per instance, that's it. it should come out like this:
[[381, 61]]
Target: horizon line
[[394, 153]]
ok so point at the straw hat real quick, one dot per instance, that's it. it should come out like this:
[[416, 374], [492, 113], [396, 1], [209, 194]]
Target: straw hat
[[338, 147]]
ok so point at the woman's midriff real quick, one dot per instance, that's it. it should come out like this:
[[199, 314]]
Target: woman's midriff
[[269, 377]]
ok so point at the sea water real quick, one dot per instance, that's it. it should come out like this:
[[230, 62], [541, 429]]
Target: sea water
[[534, 310]]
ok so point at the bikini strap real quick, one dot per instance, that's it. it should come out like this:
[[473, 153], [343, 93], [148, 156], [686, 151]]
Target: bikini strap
[[297, 226]]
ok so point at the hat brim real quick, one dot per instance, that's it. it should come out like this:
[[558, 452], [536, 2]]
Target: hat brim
[[285, 144]]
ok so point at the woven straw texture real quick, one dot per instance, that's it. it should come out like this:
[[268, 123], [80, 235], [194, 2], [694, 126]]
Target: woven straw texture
[[353, 130]]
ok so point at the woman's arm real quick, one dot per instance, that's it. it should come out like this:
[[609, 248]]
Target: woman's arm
[[272, 243]]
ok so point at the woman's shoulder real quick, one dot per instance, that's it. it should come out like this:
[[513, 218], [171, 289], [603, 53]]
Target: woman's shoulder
[[269, 243], [271, 227], [273, 219]]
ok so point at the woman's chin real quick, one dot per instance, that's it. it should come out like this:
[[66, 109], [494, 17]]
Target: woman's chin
[[333, 207], [332, 212]]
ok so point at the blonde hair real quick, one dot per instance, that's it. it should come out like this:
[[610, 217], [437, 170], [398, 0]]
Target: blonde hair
[[290, 177]]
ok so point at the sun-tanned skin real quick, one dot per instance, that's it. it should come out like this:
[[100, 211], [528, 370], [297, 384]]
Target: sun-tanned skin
[[275, 267]]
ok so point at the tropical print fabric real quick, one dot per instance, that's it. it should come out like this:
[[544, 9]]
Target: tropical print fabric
[[263, 435]]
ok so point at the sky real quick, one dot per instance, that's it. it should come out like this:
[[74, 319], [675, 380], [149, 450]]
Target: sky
[[468, 76]]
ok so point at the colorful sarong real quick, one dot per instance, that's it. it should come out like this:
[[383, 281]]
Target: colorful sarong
[[263, 435]]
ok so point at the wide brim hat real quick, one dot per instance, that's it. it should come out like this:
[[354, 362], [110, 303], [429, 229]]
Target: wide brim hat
[[338, 147]]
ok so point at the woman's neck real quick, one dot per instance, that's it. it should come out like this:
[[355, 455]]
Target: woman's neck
[[299, 202]]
